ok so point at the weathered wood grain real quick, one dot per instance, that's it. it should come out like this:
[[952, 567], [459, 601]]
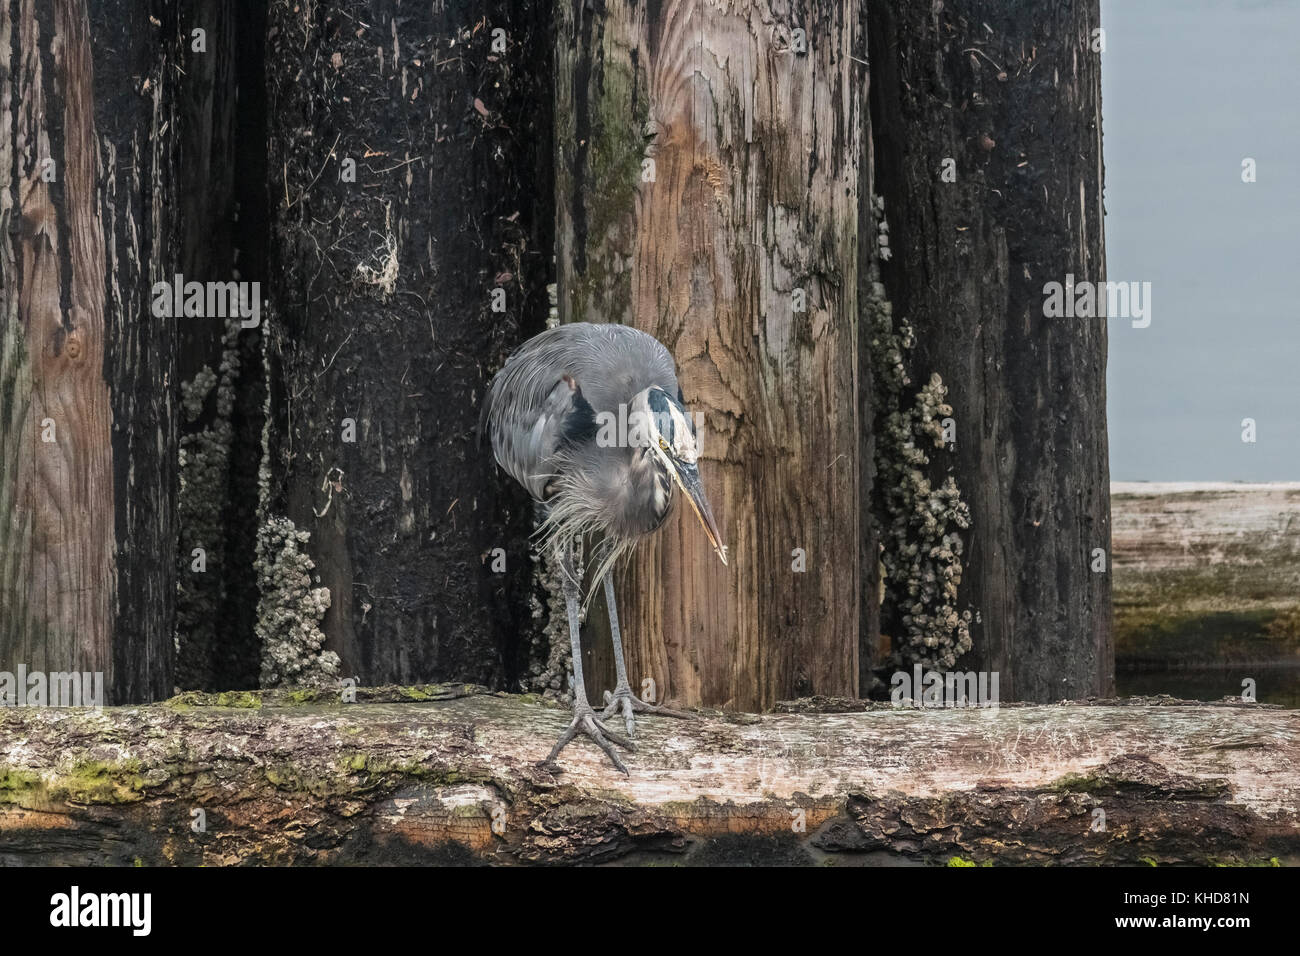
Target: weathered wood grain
[[421, 774], [87, 579], [136, 59], [754, 195], [57, 587]]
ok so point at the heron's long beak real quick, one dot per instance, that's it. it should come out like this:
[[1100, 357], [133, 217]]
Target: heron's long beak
[[688, 479]]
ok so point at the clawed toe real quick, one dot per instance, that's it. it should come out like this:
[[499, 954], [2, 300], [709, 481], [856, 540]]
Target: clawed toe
[[586, 722], [629, 704]]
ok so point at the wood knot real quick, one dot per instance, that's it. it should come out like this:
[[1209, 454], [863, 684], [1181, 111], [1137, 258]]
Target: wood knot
[[72, 347]]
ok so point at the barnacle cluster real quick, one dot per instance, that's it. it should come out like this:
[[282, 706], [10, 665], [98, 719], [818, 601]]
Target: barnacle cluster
[[920, 523], [289, 610], [549, 653], [204, 472]]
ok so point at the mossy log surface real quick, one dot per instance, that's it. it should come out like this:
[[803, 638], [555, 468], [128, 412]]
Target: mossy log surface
[[448, 773], [1207, 574]]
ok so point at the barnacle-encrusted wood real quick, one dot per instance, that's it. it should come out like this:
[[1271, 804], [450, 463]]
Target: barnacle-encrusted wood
[[205, 473], [1007, 95], [921, 521], [290, 610], [448, 773]]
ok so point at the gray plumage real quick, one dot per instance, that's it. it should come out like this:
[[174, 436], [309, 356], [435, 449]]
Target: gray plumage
[[541, 412], [590, 419]]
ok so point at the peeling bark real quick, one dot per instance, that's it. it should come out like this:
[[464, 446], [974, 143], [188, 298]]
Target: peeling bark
[[422, 774]]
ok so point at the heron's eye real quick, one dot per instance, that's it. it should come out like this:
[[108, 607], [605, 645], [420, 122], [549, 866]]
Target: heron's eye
[[663, 444]]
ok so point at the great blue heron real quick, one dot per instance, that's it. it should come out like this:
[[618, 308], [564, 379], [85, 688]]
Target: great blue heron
[[590, 419]]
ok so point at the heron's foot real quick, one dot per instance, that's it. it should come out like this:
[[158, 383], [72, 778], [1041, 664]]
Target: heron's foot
[[622, 699], [586, 722]]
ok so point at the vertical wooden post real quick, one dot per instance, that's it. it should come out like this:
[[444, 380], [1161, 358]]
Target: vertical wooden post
[[86, 576], [406, 260], [707, 168], [1007, 96]]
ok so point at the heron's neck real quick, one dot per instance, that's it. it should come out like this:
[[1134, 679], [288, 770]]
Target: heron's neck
[[652, 492]]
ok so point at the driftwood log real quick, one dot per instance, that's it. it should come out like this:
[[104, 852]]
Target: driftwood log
[[447, 773]]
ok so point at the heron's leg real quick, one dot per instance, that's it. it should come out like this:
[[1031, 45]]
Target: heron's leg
[[584, 718], [620, 669], [623, 699]]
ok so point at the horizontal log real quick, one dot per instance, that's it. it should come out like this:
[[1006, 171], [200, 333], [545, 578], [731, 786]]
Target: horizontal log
[[449, 773], [1206, 575]]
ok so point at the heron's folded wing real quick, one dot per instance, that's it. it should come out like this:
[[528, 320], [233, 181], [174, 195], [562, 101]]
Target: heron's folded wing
[[536, 403], [533, 406]]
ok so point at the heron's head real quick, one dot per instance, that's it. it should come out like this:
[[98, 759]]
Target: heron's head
[[660, 423]]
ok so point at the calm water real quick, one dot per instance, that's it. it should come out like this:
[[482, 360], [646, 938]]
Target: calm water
[[1273, 685], [1189, 89]]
